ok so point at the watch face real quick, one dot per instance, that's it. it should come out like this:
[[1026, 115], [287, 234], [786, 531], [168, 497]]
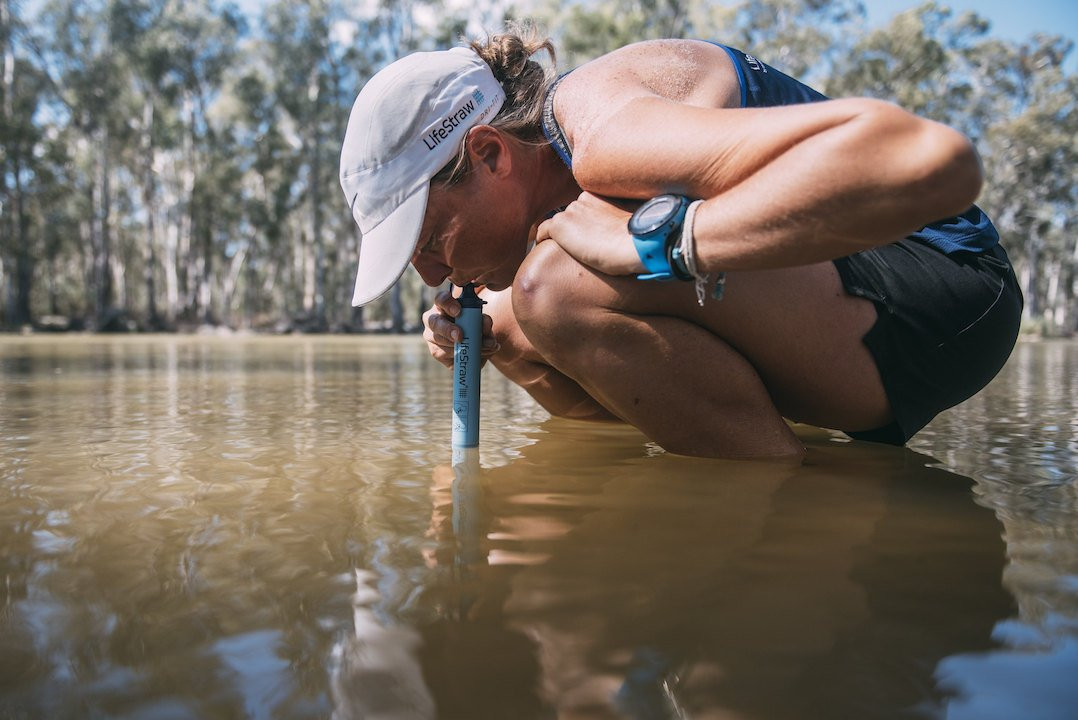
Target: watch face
[[651, 215]]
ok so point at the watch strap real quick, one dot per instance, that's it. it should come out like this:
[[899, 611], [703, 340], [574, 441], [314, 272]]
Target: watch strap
[[652, 252]]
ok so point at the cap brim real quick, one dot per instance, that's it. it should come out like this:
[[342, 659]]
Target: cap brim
[[385, 251]]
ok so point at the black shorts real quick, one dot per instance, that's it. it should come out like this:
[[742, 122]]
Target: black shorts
[[946, 325]]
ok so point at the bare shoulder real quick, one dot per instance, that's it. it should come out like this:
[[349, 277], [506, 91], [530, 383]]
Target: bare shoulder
[[690, 72]]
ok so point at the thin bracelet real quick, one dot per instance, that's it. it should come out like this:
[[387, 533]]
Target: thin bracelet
[[688, 250], [687, 245]]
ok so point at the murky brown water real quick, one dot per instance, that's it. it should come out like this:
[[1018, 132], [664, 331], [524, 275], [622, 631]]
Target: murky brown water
[[272, 528]]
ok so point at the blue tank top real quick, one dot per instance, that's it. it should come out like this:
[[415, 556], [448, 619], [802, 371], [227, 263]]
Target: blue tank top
[[764, 86]]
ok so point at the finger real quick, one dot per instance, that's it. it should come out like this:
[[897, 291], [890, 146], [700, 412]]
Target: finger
[[439, 351], [443, 357], [444, 331], [448, 304], [543, 232]]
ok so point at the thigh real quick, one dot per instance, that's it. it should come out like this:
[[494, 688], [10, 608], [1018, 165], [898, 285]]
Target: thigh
[[798, 328], [519, 361], [804, 334]]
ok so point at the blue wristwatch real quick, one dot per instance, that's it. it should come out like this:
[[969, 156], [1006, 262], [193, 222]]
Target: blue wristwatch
[[655, 227]]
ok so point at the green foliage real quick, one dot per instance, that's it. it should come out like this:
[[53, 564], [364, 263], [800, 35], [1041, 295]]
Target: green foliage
[[591, 29]]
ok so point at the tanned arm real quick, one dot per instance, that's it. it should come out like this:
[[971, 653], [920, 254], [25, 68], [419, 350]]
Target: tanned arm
[[783, 186]]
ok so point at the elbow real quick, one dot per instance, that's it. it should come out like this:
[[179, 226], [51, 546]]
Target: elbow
[[943, 170], [934, 167]]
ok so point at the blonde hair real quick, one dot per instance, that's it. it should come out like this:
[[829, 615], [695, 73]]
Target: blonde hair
[[525, 82]]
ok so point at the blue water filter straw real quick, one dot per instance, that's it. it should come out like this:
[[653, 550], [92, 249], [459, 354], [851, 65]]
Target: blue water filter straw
[[466, 365]]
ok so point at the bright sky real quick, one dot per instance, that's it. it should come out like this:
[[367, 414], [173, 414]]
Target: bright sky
[[1014, 19], [1011, 19]]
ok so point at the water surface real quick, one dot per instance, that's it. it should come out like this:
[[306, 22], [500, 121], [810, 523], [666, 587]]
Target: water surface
[[274, 528]]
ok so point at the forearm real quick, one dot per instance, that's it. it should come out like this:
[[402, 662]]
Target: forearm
[[790, 185], [866, 182]]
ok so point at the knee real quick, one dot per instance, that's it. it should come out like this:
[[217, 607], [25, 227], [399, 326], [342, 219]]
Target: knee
[[546, 299]]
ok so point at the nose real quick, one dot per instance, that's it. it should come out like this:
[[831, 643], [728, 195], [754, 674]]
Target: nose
[[431, 270]]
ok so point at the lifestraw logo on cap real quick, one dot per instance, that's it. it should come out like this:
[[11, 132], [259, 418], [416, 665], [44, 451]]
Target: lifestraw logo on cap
[[441, 130]]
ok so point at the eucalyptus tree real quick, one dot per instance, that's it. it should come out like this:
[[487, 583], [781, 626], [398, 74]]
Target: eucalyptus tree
[[802, 38], [270, 167], [145, 37], [38, 212], [794, 35], [1030, 153], [20, 94], [1017, 103], [74, 48], [204, 37], [296, 44], [585, 30]]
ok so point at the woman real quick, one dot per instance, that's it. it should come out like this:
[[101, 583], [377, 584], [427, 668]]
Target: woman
[[821, 285]]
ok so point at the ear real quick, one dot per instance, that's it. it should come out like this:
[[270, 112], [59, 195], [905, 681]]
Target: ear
[[488, 148]]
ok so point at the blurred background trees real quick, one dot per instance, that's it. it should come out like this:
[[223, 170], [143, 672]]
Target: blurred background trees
[[171, 164]]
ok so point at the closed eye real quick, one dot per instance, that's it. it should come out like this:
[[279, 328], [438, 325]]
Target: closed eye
[[431, 244], [425, 247]]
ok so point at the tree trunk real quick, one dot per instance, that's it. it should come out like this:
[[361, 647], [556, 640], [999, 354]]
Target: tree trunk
[[120, 294], [205, 285], [148, 193], [7, 288], [24, 259], [89, 228], [1032, 275], [6, 300], [1070, 294], [292, 287], [1053, 305], [185, 270], [228, 291], [424, 302], [319, 244], [172, 284], [357, 318], [19, 304], [250, 301], [307, 263], [307, 258], [54, 296], [316, 206], [396, 308], [103, 249]]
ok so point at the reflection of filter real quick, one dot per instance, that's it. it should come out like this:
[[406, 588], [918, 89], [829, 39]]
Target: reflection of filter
[[466, 365], [467, 493], [377, 673]]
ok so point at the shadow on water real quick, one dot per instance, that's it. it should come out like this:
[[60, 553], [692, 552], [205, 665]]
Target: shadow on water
[[585, 580]]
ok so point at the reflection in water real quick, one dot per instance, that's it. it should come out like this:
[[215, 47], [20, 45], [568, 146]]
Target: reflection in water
[[276, 528], [1020, 440], [375, 673], [672, 586]]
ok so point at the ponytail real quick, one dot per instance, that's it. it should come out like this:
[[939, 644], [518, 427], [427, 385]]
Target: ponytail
[[525, 82]]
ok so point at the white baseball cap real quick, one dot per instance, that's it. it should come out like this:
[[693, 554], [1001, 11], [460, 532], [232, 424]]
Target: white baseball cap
[[407, 124]]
